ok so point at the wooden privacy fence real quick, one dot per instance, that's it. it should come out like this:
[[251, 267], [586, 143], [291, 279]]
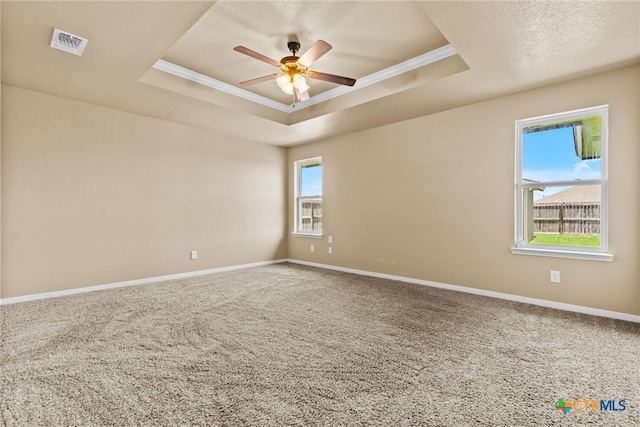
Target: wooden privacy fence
[[310, 213], [567, 218]]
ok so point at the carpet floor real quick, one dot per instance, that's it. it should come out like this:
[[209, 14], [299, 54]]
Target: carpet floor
[[290, 345]]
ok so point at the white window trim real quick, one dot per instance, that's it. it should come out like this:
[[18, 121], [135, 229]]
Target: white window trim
[[576, 252], [308, 235], [298, 165]]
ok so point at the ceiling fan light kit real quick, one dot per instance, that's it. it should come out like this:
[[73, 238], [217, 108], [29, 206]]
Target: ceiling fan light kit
[[288, 83], [294, 68]]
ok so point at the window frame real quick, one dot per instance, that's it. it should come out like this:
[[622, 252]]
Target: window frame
[[523, 247], [297, 198]]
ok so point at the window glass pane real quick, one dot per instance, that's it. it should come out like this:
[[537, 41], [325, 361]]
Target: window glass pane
[[309, 196], [570, 217], [311, 177], [562, 152]]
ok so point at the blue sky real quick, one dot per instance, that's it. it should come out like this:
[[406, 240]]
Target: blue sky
[[311, 181], [550, 156]]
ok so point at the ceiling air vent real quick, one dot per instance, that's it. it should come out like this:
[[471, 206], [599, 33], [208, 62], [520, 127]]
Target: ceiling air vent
[[68, 42]]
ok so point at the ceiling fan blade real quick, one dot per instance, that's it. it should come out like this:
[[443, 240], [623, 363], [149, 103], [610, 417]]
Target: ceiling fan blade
[[347, 81], [259, 80], [318, 49], [254, 54]]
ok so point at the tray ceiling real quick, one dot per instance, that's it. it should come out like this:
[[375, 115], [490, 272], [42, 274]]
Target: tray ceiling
[[374, 42], [472, 51]]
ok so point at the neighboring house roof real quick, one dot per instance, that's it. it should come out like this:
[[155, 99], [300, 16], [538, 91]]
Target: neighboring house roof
[[582, 193]]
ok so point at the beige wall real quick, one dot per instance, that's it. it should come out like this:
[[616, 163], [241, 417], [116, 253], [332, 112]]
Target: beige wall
[[92, 195], [433, 198], [0, 159]]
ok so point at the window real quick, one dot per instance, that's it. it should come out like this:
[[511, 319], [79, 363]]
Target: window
[[308, 194], [561, 185]]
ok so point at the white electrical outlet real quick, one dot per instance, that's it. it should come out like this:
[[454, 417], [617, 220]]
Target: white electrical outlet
[[194, 254], [312, 248], [554, 277], [330, 239], [330, 250]]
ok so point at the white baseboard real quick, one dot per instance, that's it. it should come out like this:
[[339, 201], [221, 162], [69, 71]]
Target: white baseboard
[[65, 292], [499, 295]]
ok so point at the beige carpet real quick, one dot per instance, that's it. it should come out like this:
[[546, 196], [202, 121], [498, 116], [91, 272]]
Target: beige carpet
[[287, 345]]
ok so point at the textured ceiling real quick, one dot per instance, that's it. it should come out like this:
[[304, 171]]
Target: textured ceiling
[[499, 48], [398, 60], [364, 36]]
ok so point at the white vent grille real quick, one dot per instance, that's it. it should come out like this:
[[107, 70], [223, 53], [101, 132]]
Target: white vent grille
[[68, 42]]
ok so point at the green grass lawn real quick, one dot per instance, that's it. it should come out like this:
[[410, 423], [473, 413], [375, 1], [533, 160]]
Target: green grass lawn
[[566, 239]]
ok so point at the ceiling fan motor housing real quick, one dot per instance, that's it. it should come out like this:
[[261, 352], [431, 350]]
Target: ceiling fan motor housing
[[290, 65]]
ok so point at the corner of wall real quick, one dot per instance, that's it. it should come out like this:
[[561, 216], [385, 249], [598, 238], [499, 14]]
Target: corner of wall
[[0, 159], [638, 170]]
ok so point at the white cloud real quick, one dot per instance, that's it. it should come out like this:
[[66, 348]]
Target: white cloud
[[586, 169]]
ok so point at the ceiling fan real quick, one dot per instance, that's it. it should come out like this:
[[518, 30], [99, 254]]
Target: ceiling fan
[[293, 69]]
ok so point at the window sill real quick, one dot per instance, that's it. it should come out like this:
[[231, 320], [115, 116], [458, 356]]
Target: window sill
[[308, 235], [561, 253]]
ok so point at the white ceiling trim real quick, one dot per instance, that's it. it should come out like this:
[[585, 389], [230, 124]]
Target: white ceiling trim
[[194, 76], [387, 73], [395, 70]]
